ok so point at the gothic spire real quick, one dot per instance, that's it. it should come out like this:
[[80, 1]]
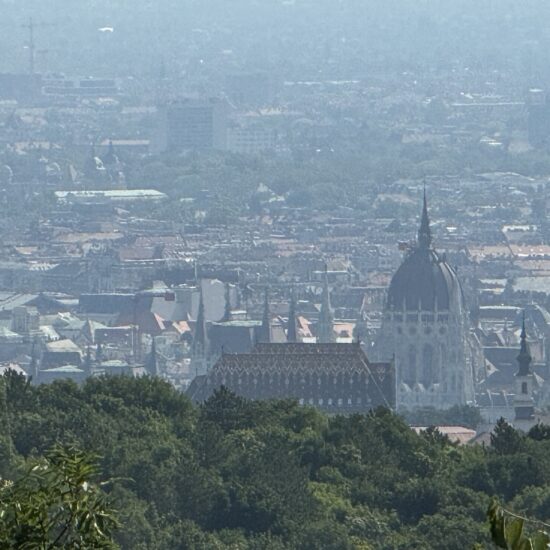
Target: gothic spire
[[361, 329], [325, 329], [227, 311], [88, 361], [524, 357], [265, 331], [200, 337], [291, 331], [424, 233], [152, 366], [110, 157]]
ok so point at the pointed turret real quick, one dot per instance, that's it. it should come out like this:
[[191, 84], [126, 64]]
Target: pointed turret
[[152, 365], [292, 329], [325, 328], [200, 337], [425, 233], [227, 311], [110, 156], [265, 330], [524, 357], [524, 404], [199, 347], [88, 362], [361, 329]]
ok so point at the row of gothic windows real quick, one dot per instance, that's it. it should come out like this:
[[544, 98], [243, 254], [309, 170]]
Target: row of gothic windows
[[413, 330], [423, 366], [306, 380], [331, 402], [428, 369]]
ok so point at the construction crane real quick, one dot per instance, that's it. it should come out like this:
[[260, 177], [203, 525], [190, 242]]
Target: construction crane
[[31, 26]]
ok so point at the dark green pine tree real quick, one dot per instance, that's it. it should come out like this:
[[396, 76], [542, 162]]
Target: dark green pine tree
[[6, 444]]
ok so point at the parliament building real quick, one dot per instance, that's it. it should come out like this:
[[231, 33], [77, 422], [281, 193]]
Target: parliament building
[[425, 329]]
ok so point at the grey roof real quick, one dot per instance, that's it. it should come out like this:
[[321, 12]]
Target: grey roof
[[10, 300], [63, 346], [7, 336], [532, 284], [73, 369], [423, 280], [335, 377]]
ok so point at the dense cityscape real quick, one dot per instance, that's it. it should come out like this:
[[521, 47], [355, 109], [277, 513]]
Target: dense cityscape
[[281, 269]]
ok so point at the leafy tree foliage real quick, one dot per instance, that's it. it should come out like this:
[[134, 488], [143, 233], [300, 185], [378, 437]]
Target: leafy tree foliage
[[508, 531], [232, 473], [56, 504]]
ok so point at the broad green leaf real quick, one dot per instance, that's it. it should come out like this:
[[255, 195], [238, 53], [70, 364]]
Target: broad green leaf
[[540, 541], [513, 532]]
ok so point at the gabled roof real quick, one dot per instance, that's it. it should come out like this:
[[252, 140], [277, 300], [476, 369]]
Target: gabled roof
[[332, 376]]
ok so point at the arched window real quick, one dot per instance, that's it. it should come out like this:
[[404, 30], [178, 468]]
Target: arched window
[[427, 365], [524, 387], [441, 364], [410, 371]]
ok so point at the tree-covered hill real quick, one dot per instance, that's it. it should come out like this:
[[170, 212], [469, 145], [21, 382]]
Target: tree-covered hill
[[271, 475]]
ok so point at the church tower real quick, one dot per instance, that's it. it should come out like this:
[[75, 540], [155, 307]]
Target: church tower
[[88, 362], [425, 327], [524, 406], [325, 325], [265, 330], [292, 329], [152, 361], [227, 308], [199, 346]]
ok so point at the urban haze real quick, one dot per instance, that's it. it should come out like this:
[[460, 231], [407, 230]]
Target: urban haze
[[274, 274]]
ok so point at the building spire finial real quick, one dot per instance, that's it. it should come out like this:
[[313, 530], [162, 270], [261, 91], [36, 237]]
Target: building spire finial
[[325, 329], [227, 310], [200, 337], [524, 357], [152, 363], [291, 331], [424, 233], [265, 330]]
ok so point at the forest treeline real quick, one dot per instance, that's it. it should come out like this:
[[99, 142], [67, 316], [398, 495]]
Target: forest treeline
[[232, 473]]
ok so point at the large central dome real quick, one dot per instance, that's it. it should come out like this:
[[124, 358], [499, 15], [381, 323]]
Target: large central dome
[[425, 280]]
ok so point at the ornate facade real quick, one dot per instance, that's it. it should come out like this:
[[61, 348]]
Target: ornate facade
[[426, 329], [200, 348], [337, 378], [524, 404], [325, 325]]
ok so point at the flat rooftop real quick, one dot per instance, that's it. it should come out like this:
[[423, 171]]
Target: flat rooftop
[[110, 195]]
